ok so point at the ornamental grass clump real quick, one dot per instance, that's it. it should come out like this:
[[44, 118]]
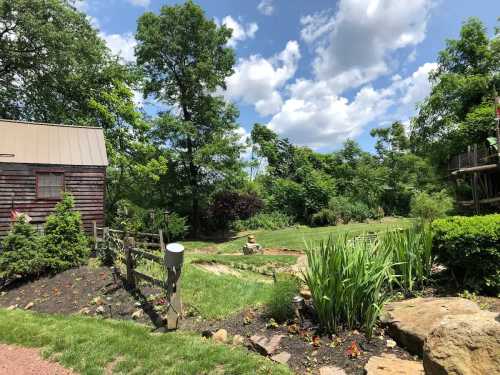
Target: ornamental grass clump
[[347, 281], [411, 254]]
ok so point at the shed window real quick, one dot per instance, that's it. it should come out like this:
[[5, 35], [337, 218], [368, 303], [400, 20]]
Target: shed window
[[50, 185]]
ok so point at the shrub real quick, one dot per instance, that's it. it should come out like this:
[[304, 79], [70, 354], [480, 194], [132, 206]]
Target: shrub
[[346, 279], [129, 217], [64, 243], [228, 206], [176, 228], [269, 221], [347, 210], [324, 217], [470, 248], [411, 254], [280, 302], [20, 255], [429, 207]]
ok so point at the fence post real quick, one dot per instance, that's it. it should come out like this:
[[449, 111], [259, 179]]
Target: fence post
[[129, 262], [94, 230]]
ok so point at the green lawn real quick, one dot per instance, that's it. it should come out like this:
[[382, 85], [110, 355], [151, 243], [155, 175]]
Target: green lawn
[[297, 238], [88, 345]]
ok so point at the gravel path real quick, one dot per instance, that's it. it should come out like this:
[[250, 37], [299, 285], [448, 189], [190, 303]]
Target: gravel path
[[24, 361]]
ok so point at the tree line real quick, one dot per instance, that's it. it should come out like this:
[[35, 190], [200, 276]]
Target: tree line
[[55, 68]]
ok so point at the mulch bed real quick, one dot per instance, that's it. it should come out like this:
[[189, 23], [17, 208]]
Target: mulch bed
[[305, 356]]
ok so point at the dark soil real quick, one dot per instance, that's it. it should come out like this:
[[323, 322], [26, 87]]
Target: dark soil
[[305, 356], [75, 291]]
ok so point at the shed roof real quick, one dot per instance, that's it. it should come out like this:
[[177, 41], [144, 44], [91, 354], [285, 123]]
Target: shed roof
[[37, 143]]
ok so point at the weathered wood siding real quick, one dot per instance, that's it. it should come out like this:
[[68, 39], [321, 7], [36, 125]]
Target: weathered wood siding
[[87, 184]]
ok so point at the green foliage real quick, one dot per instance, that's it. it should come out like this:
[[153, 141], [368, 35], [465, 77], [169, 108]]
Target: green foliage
[[284, 289], [269, 221], [64, 243], [411, 253], [175, 226], [431, 206], [324, 217], [184, 58], [470, 248], [347, 210], [346, 279], [20, 255]]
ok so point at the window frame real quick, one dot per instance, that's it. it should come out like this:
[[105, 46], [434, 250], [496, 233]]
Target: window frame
[[39, 172]]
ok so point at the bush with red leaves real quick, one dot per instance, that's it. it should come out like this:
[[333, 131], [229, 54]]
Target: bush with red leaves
[[228, 206]]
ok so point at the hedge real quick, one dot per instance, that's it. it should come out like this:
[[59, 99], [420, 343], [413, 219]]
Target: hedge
[[470, 248]]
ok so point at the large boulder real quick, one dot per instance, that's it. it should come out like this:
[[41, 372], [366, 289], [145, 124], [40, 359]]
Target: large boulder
[[464, 344], [409, 322]]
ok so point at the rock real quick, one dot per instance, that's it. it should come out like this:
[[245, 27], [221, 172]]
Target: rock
[[264, 345], [252, 248], [220, 336], [390, 344], [138, 314], [331, 370], [84, 311], [251, 239], [389, 364], [305, 293], [409, 322], [12, 307], [100, 310], [29, 306], [238, 340], [464, 344], [282, 358]]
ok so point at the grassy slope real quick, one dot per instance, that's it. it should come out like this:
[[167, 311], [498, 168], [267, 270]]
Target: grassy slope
[[88, 345], [297, 238]]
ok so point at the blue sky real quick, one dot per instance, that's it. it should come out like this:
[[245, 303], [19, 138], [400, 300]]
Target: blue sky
[[318, 71]]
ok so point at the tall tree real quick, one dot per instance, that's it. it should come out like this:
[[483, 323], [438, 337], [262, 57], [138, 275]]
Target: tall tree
[[185, 59], [459, 110]]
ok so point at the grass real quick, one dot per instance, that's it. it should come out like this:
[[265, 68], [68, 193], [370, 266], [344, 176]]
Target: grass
[[217, 296], [254, 260], [89, 345], [296, 238]]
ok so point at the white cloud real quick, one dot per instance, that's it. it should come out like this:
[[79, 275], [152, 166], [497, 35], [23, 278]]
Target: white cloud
[[81, 5], [141, 3], [316, 116], [353, 44], [121, 45], [240, 30], [257, 80], [266, 7]]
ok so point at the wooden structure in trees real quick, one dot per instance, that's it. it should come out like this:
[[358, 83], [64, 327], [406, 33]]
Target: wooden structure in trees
[[479, 168], [40, 161]]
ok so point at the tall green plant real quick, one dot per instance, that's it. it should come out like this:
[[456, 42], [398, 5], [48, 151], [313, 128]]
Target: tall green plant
[[64, 244], [411, 254], [346, 279]]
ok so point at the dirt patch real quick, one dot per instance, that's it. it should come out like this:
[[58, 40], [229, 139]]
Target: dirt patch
[[217, 269], [24, 361], [280, 251]]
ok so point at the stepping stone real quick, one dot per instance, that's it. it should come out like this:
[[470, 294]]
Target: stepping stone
[[331, 370], [409, 322], [264, 345], [464, 344], [220, 336], [389, 364], [282, 357]]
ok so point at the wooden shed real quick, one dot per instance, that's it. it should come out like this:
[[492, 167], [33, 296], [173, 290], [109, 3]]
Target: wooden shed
[[38, 162]]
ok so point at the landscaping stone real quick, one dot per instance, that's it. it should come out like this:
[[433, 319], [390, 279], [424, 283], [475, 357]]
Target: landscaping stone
[[389, 364], [464, 344], [138, 314], [264, 345], [306, 294], [331, 370], [100, 310], [220, 336], [29, 306], [282, 357], [84, 311], [12, 307], [409, 322], [98, 301], [238, 340], [390, 344], [252, 248]]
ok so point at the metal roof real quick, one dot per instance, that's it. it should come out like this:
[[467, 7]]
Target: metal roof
[[37, 143]]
